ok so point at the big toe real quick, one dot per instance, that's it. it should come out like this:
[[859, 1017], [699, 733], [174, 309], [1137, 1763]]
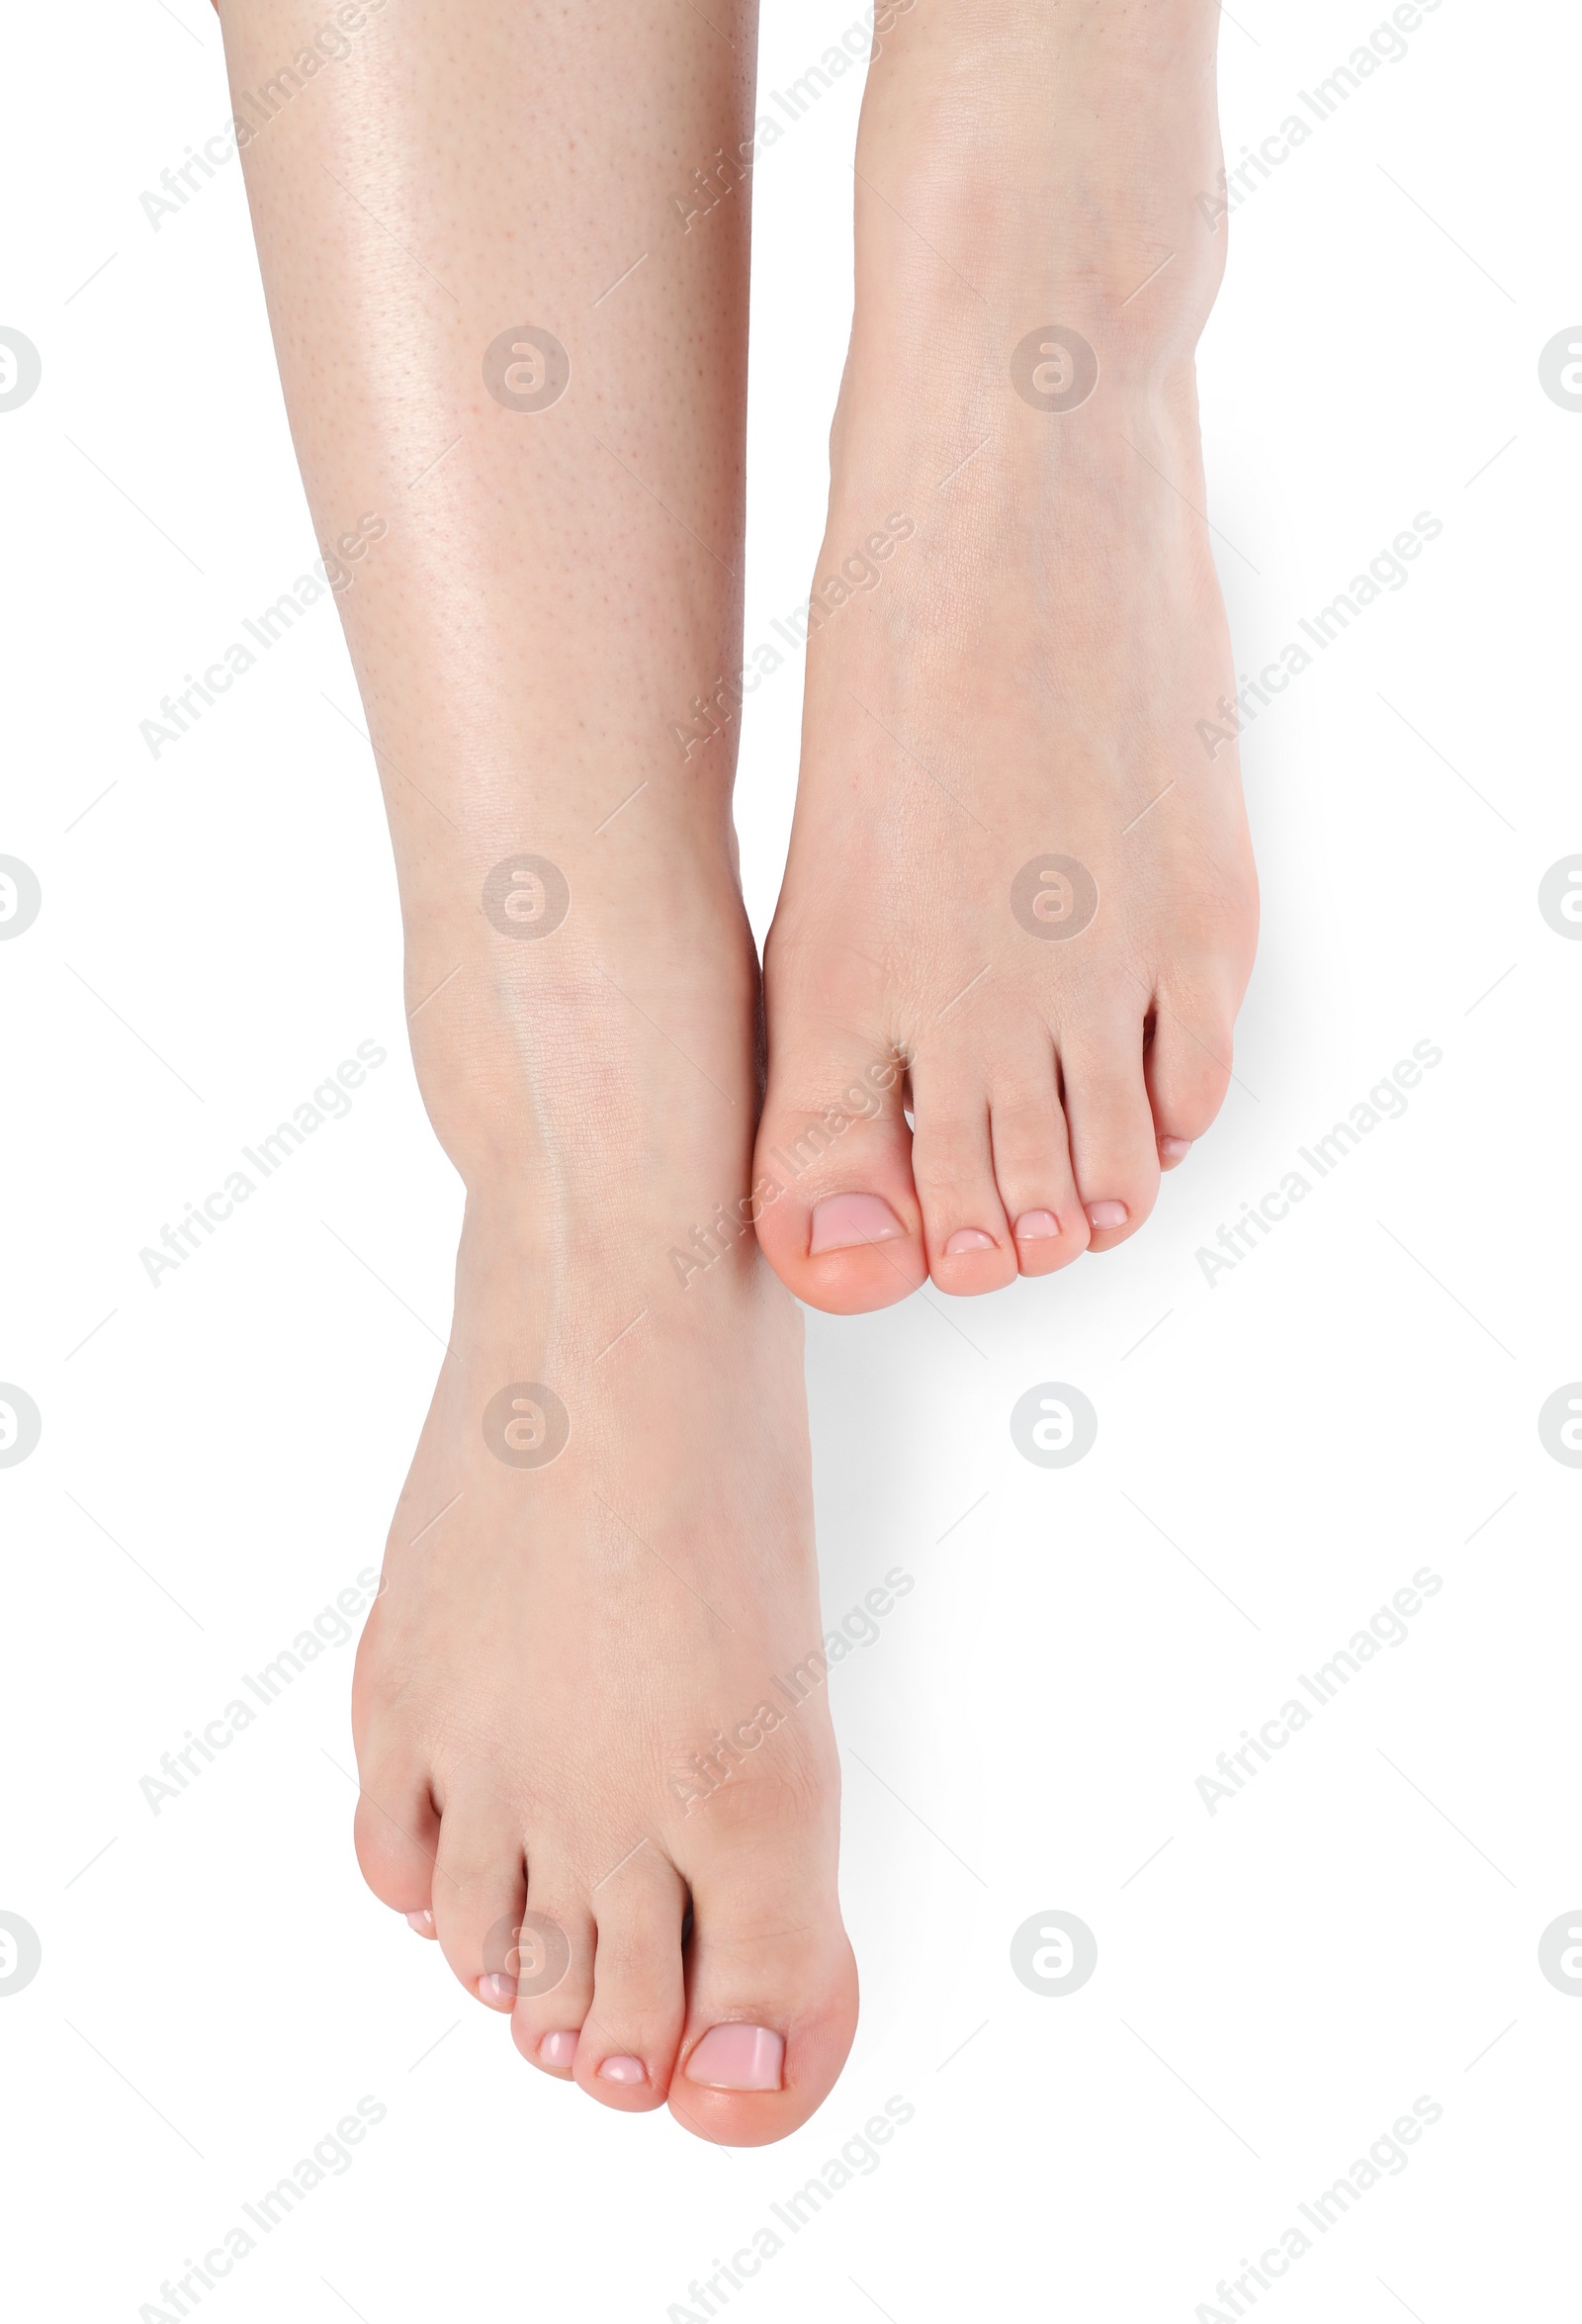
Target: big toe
[[837, 1211], [771, 2005]]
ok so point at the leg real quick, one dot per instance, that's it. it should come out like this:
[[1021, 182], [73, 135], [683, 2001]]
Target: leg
[[601, 1561], [1020, 881]]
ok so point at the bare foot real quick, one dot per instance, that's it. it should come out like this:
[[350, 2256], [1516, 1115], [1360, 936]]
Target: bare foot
[[594, 1748], [593, 1738], [1021, 901]]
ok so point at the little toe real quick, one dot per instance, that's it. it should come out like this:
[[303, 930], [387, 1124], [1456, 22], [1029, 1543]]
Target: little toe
[[1114, 1146], [627, 2047], [1187, 1069], [835, 1209], [771, 2003], [396, 1832]]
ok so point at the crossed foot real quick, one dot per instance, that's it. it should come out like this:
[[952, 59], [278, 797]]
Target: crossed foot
[[593, 1728]]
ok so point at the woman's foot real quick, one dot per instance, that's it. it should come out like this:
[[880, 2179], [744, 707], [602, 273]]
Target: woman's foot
[[589, 1701], [591, 1693], [1021, 901]]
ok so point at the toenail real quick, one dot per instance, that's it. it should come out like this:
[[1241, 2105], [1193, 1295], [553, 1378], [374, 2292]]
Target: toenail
[[1102, 1215], [558, 2049], [969, 1238], [1175, 1149], [422, 1921], [1035, 1227], [622, 2070], [737, 2057], [498, 1990], [846, 1221]]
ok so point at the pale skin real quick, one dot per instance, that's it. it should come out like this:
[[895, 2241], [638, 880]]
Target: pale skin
[[560, 1698]]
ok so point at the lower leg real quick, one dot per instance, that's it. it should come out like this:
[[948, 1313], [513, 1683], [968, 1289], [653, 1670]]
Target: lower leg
[[1020, 898], [516, 387]]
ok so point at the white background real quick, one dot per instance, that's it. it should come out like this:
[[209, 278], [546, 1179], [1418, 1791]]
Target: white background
[[1274, 1458]]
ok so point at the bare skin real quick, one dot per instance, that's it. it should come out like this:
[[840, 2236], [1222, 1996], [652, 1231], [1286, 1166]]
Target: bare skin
[[1022, 682], [561, 1696], [593, 1741]]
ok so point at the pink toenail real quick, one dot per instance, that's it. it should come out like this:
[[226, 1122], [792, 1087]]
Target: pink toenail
[[1175, 1149], [1102, 1215], [422, 1921], [1035, 1227], [498, 1990], [737, 2057], [622, 2070], [846, 1221], [558, 2049], [969, 1238]]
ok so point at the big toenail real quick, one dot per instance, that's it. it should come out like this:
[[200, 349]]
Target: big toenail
[[846, 1221], [737, 2057], [622, 2070], [1102, 1215], [969, 1238], [558, 2049], [1035, 1227], [498, 1990], [1175, 1149], [422, 1921]]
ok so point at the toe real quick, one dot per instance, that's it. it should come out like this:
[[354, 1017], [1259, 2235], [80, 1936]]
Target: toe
[[395, 1834], [629, 2036], [480, 1888], [553, 1967], [1032, 1168], [969, 1242], [1114, 1149], [837, 1211], [1188, 1072], [772, 2003]]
